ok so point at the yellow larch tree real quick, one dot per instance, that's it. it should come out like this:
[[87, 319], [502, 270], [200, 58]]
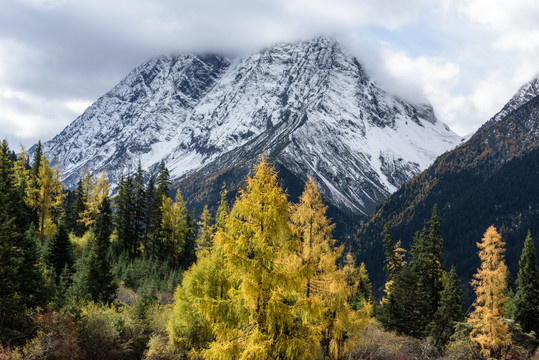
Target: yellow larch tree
[[326, 288], [22, 174], [174, 224], [204, 298], [46, 197], [98, 190], [490, 331], [257, 248]]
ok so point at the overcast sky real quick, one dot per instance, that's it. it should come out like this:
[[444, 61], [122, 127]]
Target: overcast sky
[[467, 57]]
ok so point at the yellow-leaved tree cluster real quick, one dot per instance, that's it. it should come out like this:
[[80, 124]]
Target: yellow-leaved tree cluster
[[268, 284]]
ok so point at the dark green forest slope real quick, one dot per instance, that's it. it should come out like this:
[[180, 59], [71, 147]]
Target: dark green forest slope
[[492, 179]]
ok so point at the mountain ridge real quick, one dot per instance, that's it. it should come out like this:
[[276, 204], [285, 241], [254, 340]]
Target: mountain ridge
[[474, 186], [310, 104]]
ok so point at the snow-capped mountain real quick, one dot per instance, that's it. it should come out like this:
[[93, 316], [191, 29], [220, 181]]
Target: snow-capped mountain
[[526, 92], [309, 105]]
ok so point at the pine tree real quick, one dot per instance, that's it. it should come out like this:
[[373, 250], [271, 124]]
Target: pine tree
[[526, 300], [490, 331], [450, 311], [60, 255]]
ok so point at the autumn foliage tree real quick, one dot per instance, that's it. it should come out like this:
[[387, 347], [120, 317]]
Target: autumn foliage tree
[[490, 331]]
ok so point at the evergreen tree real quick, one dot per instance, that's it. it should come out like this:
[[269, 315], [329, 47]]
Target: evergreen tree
[[20, 274], [490, 331], [59, 254], [450, 311], [139, 210], [151, 205], [163, 181], [78, 207], [403, 308], [22, 173], [526, 300], [426, 261], [94, 280], [187, 254], [124, 216], [36, 162]]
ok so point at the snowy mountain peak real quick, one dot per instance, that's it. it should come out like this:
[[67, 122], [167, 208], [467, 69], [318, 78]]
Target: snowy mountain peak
[[309, 104], [526, 92]]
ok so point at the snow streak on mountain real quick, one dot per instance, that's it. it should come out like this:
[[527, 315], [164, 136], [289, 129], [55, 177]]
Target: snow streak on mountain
[[310, 105]]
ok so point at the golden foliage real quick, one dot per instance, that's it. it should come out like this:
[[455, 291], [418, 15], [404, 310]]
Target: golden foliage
[[490, 331]]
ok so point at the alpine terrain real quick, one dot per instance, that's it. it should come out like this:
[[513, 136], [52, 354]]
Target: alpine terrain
[[492, 179], [309, 105]]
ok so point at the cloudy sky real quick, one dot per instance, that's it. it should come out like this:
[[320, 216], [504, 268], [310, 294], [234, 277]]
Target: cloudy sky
[[467, 57]]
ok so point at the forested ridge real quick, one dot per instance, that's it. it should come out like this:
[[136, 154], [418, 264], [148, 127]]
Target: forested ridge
[[88, 276]]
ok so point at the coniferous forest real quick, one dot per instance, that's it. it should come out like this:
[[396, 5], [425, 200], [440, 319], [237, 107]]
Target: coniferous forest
[[87, 275]]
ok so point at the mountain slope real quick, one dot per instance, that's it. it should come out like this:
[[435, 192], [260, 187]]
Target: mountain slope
[[493, 178], [309, 105]]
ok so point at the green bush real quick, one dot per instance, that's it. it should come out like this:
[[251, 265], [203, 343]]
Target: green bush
[[111, 332]]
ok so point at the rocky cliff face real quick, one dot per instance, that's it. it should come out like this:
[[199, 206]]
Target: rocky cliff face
[[309, 105]]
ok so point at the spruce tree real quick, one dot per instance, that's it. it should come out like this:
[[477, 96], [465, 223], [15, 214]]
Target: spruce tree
[[426, 261], [94, 280], [124, 216], [21, 277], [402, 310], [36, 162], [187, 254], [450, 311], [526, 300], [77, 209], [139, 209], [490, 331], [59, 254]]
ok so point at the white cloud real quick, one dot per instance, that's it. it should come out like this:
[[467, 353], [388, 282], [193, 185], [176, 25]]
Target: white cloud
[[466, 57]]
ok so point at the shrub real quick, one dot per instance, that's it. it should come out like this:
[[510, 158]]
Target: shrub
[[56, 339]]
